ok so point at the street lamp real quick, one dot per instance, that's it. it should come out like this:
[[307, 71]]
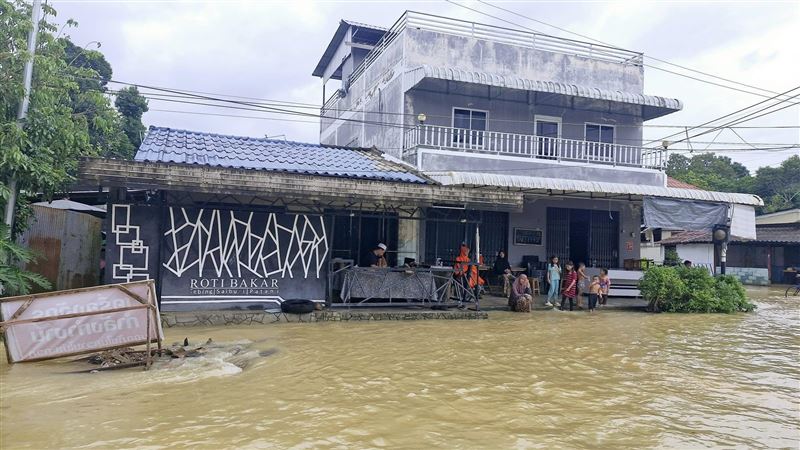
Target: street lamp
[[421, 118]]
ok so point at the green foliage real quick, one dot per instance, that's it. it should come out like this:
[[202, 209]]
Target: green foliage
[[692, 290], [711, 172], [13, 280], [671, 256], [132, 106], [779, 187], [43, 152], [70, 113]]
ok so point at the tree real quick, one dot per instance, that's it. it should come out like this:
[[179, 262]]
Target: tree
[[43, 152], [711, 172], [132, 105], [105, 124], [779, 187]]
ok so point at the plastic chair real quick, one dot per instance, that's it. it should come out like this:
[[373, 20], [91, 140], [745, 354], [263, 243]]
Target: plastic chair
[[535, 288]]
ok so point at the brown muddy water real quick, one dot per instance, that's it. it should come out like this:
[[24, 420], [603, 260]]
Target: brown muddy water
[[615, 379]]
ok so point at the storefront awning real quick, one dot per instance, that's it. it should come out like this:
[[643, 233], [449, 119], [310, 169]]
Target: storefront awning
[[305, 187], [652, 106], [558, 186]]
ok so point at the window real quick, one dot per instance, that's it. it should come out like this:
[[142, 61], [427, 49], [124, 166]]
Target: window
[[600, 133], [468, 126], [548, 130], [601, 142]]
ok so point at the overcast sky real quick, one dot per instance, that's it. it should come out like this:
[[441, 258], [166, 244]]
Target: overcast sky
[[268, 49]]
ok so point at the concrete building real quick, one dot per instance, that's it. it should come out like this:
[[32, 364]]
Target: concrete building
[[496, 109], [772, 257], [440, 132]]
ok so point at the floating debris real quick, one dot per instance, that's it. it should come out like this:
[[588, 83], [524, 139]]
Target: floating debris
[[238, 354]]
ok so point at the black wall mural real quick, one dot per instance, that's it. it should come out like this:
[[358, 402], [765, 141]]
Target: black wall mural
[[219, 259]]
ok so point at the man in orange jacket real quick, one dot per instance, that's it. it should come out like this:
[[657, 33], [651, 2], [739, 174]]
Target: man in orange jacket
[[462, 267]]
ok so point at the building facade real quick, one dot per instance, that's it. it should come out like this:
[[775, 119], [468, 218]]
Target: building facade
[[491, 108]]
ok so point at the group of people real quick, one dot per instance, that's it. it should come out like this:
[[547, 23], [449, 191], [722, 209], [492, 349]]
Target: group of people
[[571, 286], [571, 283], [575, 284]]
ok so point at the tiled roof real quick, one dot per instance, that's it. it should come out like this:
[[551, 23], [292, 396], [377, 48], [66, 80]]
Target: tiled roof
[[767, 234], [688, 237], [193, 147], [673, 183]]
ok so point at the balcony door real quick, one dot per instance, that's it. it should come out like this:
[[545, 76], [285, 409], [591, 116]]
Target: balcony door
[[469, 126], [600, 142], [548, 131]]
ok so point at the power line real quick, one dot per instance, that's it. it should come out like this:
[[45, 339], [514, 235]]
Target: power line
[[259, 108], [733, 113], [750, 116], [156, 98], [647, 56], [184, 93]]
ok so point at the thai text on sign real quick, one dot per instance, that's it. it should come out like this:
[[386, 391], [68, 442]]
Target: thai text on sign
[[77, 321]]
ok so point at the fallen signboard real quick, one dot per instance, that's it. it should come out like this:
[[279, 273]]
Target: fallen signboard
[[77, 321]]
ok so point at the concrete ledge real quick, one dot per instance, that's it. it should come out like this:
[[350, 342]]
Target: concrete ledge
[[221, 318]]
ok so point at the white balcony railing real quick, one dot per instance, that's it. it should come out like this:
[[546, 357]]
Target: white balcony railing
[[531, 146]]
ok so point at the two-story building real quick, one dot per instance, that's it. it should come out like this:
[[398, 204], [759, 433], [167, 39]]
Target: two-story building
[[496, 109]]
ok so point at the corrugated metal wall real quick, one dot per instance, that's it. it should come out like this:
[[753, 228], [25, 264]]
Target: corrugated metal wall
[[68, 243]]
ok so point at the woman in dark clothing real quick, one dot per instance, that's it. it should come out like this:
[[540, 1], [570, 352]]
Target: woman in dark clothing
[[502, 270]]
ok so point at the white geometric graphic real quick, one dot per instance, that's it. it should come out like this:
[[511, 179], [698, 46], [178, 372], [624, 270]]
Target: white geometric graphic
[[232, 244], [130, 245]]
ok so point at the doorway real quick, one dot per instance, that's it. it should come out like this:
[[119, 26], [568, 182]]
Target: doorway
[[579, 220], [584, 235]]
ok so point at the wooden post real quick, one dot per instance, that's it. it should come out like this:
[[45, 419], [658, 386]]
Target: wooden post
[[147, 346]]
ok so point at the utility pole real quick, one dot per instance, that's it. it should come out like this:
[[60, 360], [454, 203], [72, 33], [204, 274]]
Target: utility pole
[[22, 113]]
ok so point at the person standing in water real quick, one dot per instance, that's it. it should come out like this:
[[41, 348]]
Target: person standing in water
[[605, 286], [554, 280], [582, 282], [594, 293], [571, 282]]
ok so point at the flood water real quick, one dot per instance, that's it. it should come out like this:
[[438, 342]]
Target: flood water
[[615, 379]]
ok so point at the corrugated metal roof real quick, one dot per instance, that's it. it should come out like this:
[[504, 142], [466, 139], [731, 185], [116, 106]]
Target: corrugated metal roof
[[70, 205], [765, 234], [544, 185], [417, 74], [194, 147]]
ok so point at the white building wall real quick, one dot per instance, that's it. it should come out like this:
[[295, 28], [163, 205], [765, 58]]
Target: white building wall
[[696, 253]]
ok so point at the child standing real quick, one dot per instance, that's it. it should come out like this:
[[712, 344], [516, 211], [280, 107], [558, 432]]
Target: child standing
[[605, 286], [582, 282], [594, 292], [571, 282], [553, 279]]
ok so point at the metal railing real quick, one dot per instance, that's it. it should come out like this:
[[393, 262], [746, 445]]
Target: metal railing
[[333, 99], [532, 146], [545, 42]]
